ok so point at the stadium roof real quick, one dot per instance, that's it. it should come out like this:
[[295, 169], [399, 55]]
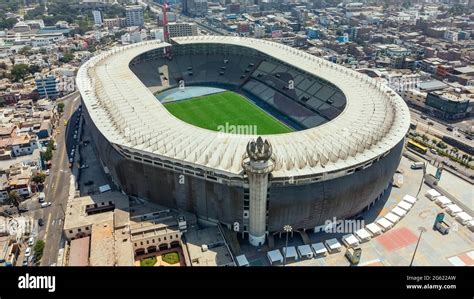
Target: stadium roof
[[374, 120]]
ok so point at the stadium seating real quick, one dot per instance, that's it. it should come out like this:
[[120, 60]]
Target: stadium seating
[[292, 94]]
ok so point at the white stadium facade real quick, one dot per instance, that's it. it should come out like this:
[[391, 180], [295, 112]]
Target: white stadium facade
[[347, 144]]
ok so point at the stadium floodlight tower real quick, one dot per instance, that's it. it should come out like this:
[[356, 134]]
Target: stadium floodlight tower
[[258, 163]]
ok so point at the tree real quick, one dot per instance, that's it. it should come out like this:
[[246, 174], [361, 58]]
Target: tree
[[66, 58], [39, 178], [26, 50], [38, 250], [8, 23], [19, 71], [33, 69], [47, 155], [60, 107], [14, 198]]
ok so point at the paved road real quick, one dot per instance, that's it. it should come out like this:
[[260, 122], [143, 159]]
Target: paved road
[[437, 128], [56, 187]]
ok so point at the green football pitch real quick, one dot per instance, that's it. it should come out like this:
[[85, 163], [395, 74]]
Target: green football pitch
[[228, 112]]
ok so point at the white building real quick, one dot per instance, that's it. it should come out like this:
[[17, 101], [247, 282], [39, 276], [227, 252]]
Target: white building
[[451, 36], [97, 14], [157, 34], [24, 145], [259, 31]]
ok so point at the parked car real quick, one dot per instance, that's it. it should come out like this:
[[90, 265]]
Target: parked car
[[88, 183], [31, 241], [468, 137], [40, 222], [23, 210], [28, 252], [26, 261], [423, 116], [433, 151], [430, 123], [45, 204], [84, 166]]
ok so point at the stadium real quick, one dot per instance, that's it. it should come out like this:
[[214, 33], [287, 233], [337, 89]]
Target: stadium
[[331, 138]]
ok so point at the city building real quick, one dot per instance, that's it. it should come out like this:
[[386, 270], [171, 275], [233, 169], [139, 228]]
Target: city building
[[134, 15], [195, 7], [47, 86], [182, 29], [97, 15], [448, 105], [104, 220]]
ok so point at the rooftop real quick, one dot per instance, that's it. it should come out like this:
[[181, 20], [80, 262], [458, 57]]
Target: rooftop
[[102, 244], [216, 254], [76, 215], [79, 252]]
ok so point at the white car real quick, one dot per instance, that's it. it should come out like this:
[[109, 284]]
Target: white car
[[31, 241], [28, 252], [45, 204]]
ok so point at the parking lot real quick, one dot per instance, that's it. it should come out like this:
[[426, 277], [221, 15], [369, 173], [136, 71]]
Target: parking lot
[[92, 174]]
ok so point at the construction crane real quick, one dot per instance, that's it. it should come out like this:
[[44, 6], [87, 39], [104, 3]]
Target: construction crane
[[166, 33]]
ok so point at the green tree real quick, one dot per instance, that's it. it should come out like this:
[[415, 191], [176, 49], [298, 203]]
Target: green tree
[[14, 198], [47, 155], [60, 106], [39, 178], [19, 71], [38, 250], [66, 58], [26, 50], [33, 69], [7, 23]]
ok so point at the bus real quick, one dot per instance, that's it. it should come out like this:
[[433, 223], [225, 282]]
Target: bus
[[417, 147]]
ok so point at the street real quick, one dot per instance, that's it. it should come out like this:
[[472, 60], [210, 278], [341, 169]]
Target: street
[[56, 187]]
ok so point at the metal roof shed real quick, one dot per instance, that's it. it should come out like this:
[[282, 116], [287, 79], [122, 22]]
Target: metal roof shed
[[333, 245], [373, 229], [392, 217], [385, 224], [399, 212], [274, 256], [410, 199], [291, 252], [463, 218], [319, 249], [362, 235], [443, 201], [432, 194], [242, 260], [405, 205], [350, 240], [453, 209], [305, 251]]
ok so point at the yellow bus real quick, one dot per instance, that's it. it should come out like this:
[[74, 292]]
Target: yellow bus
[[417, 147]]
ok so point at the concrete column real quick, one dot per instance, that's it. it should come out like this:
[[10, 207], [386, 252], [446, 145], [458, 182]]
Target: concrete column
[[258, 164], [258, 207]]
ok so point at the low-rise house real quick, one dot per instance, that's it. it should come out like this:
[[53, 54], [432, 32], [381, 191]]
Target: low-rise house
[[24, 145]]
